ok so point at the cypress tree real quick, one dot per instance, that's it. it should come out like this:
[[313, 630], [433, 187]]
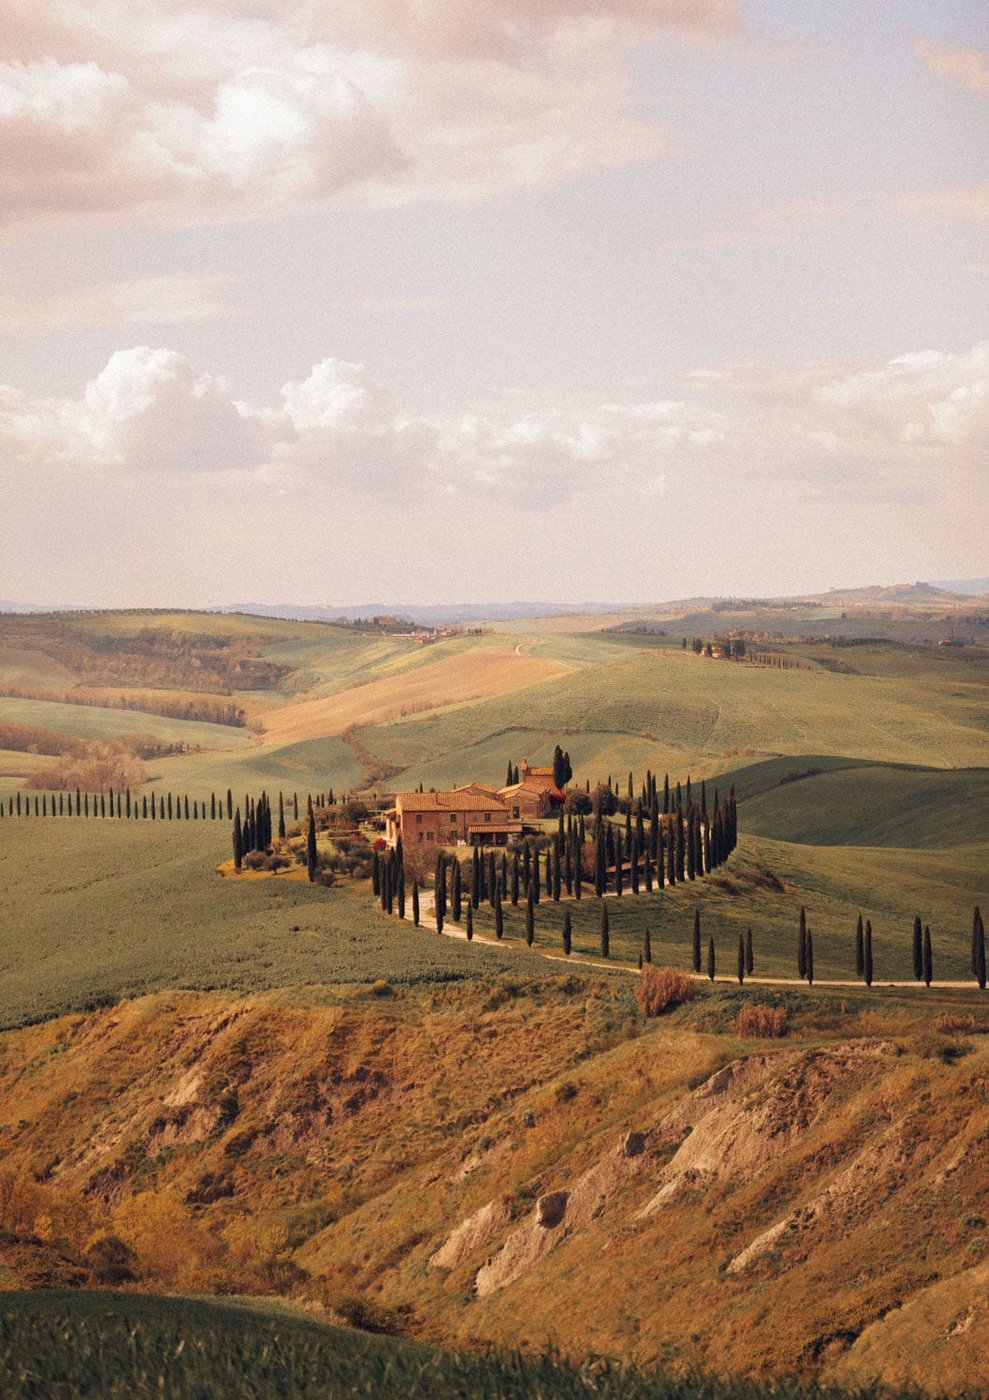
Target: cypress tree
[[86, 803], [980, 950], [600, 867], [508, 775], [868, 953], [556, 870], [859, 949], [470, 924], [647, 946], [578, 866], [928, 958], [185, 804], [536, 881], [415, 903], [567, 934], [918, 950], [311, 847], [400, 893], [238, 842], [144, 805], [169, 806], [492, 878], [281, 817], [439, 916], [741, 959], [810, 958], [230, 803], [475, 878], [499, 917], [802, 944], [710, 959], [619, 862], [295, 806], [195, 809], [691, 862], [695, 951], [456, 898], [212, 805], [515, 879], [530, 917], [671, 854], [749, 962], [605, 931]]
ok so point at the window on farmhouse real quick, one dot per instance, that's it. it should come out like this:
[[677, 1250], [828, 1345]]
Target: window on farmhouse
[[453, 818], [418, 816], [487, 816]]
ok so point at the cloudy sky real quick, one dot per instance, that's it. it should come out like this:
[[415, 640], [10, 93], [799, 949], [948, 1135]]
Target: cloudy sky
[[423, 300]]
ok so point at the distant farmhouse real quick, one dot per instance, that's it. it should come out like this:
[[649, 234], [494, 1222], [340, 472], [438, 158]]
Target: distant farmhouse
[[473, 814]]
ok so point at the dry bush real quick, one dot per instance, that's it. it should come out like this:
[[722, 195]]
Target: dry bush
[[763, 1022], [958, 1025], [662, 987]]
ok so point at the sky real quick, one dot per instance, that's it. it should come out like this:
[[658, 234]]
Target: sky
[[422, 301]]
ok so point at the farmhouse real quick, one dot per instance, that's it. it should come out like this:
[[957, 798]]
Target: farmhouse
[[471, 814], [534, 795]]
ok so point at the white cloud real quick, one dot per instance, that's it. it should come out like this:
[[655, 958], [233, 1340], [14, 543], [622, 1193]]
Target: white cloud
[[967, 66], [177, 117]]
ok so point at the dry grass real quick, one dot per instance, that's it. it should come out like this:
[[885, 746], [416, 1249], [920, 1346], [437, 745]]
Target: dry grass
[[663, 987], [473, 675], [762, 1022]]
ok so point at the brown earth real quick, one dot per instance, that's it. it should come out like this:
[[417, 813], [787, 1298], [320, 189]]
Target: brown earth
[[470, 675], [520, 1163]]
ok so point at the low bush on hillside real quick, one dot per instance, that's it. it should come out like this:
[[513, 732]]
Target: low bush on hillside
[[958, 1025], [662, 987], [761, 1022]]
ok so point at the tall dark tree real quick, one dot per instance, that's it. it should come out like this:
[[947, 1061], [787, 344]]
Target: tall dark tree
[[238, 842], [802, 944], [556, 876], [619, 864], [415, 903], [867, 960], [980, 950], [605, 931], [514, 886], [400, 893], [859, 949], [928, 957], [470, 923], [567, 933], [281, 817], [600, 865], [311, 856], [499, 917], [559, 769], [536, 880], [918, 950], [741, 959], [508, 775], [710, 959], [530, 915], [749, 961], [456, 896]]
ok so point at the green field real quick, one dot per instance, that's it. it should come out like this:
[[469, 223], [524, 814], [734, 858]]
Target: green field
[[92, 722], [93, 911], [114, 1344]]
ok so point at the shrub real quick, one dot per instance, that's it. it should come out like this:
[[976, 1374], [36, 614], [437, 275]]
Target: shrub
[[957, 1025], [764, 1022], [662, 987]]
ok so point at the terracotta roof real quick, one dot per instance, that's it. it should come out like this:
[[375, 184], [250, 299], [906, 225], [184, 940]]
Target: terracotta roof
[[526, 789], [459, 800]]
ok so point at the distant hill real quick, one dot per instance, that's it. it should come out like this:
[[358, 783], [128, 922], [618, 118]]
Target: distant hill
[[971, 587], [431, 614]]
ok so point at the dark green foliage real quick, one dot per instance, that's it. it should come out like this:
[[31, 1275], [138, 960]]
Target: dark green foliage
[[456, 897], [515, 879], [867, 959], [415, 903], [647, 946], [711, 968], [238, 842], [311, 857], [927, 967], [499, 917], [470, 923], [567, 934], [741, 959], [281, 818], [530, 915]]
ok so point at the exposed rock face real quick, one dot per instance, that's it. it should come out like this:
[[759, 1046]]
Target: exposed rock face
[[473, 1234]]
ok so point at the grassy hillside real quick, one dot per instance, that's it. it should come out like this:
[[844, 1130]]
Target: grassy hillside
[[89, 915], [133, 1345]]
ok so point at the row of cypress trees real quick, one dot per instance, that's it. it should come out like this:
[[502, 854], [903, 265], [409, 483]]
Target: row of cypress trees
[[153, 806]]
